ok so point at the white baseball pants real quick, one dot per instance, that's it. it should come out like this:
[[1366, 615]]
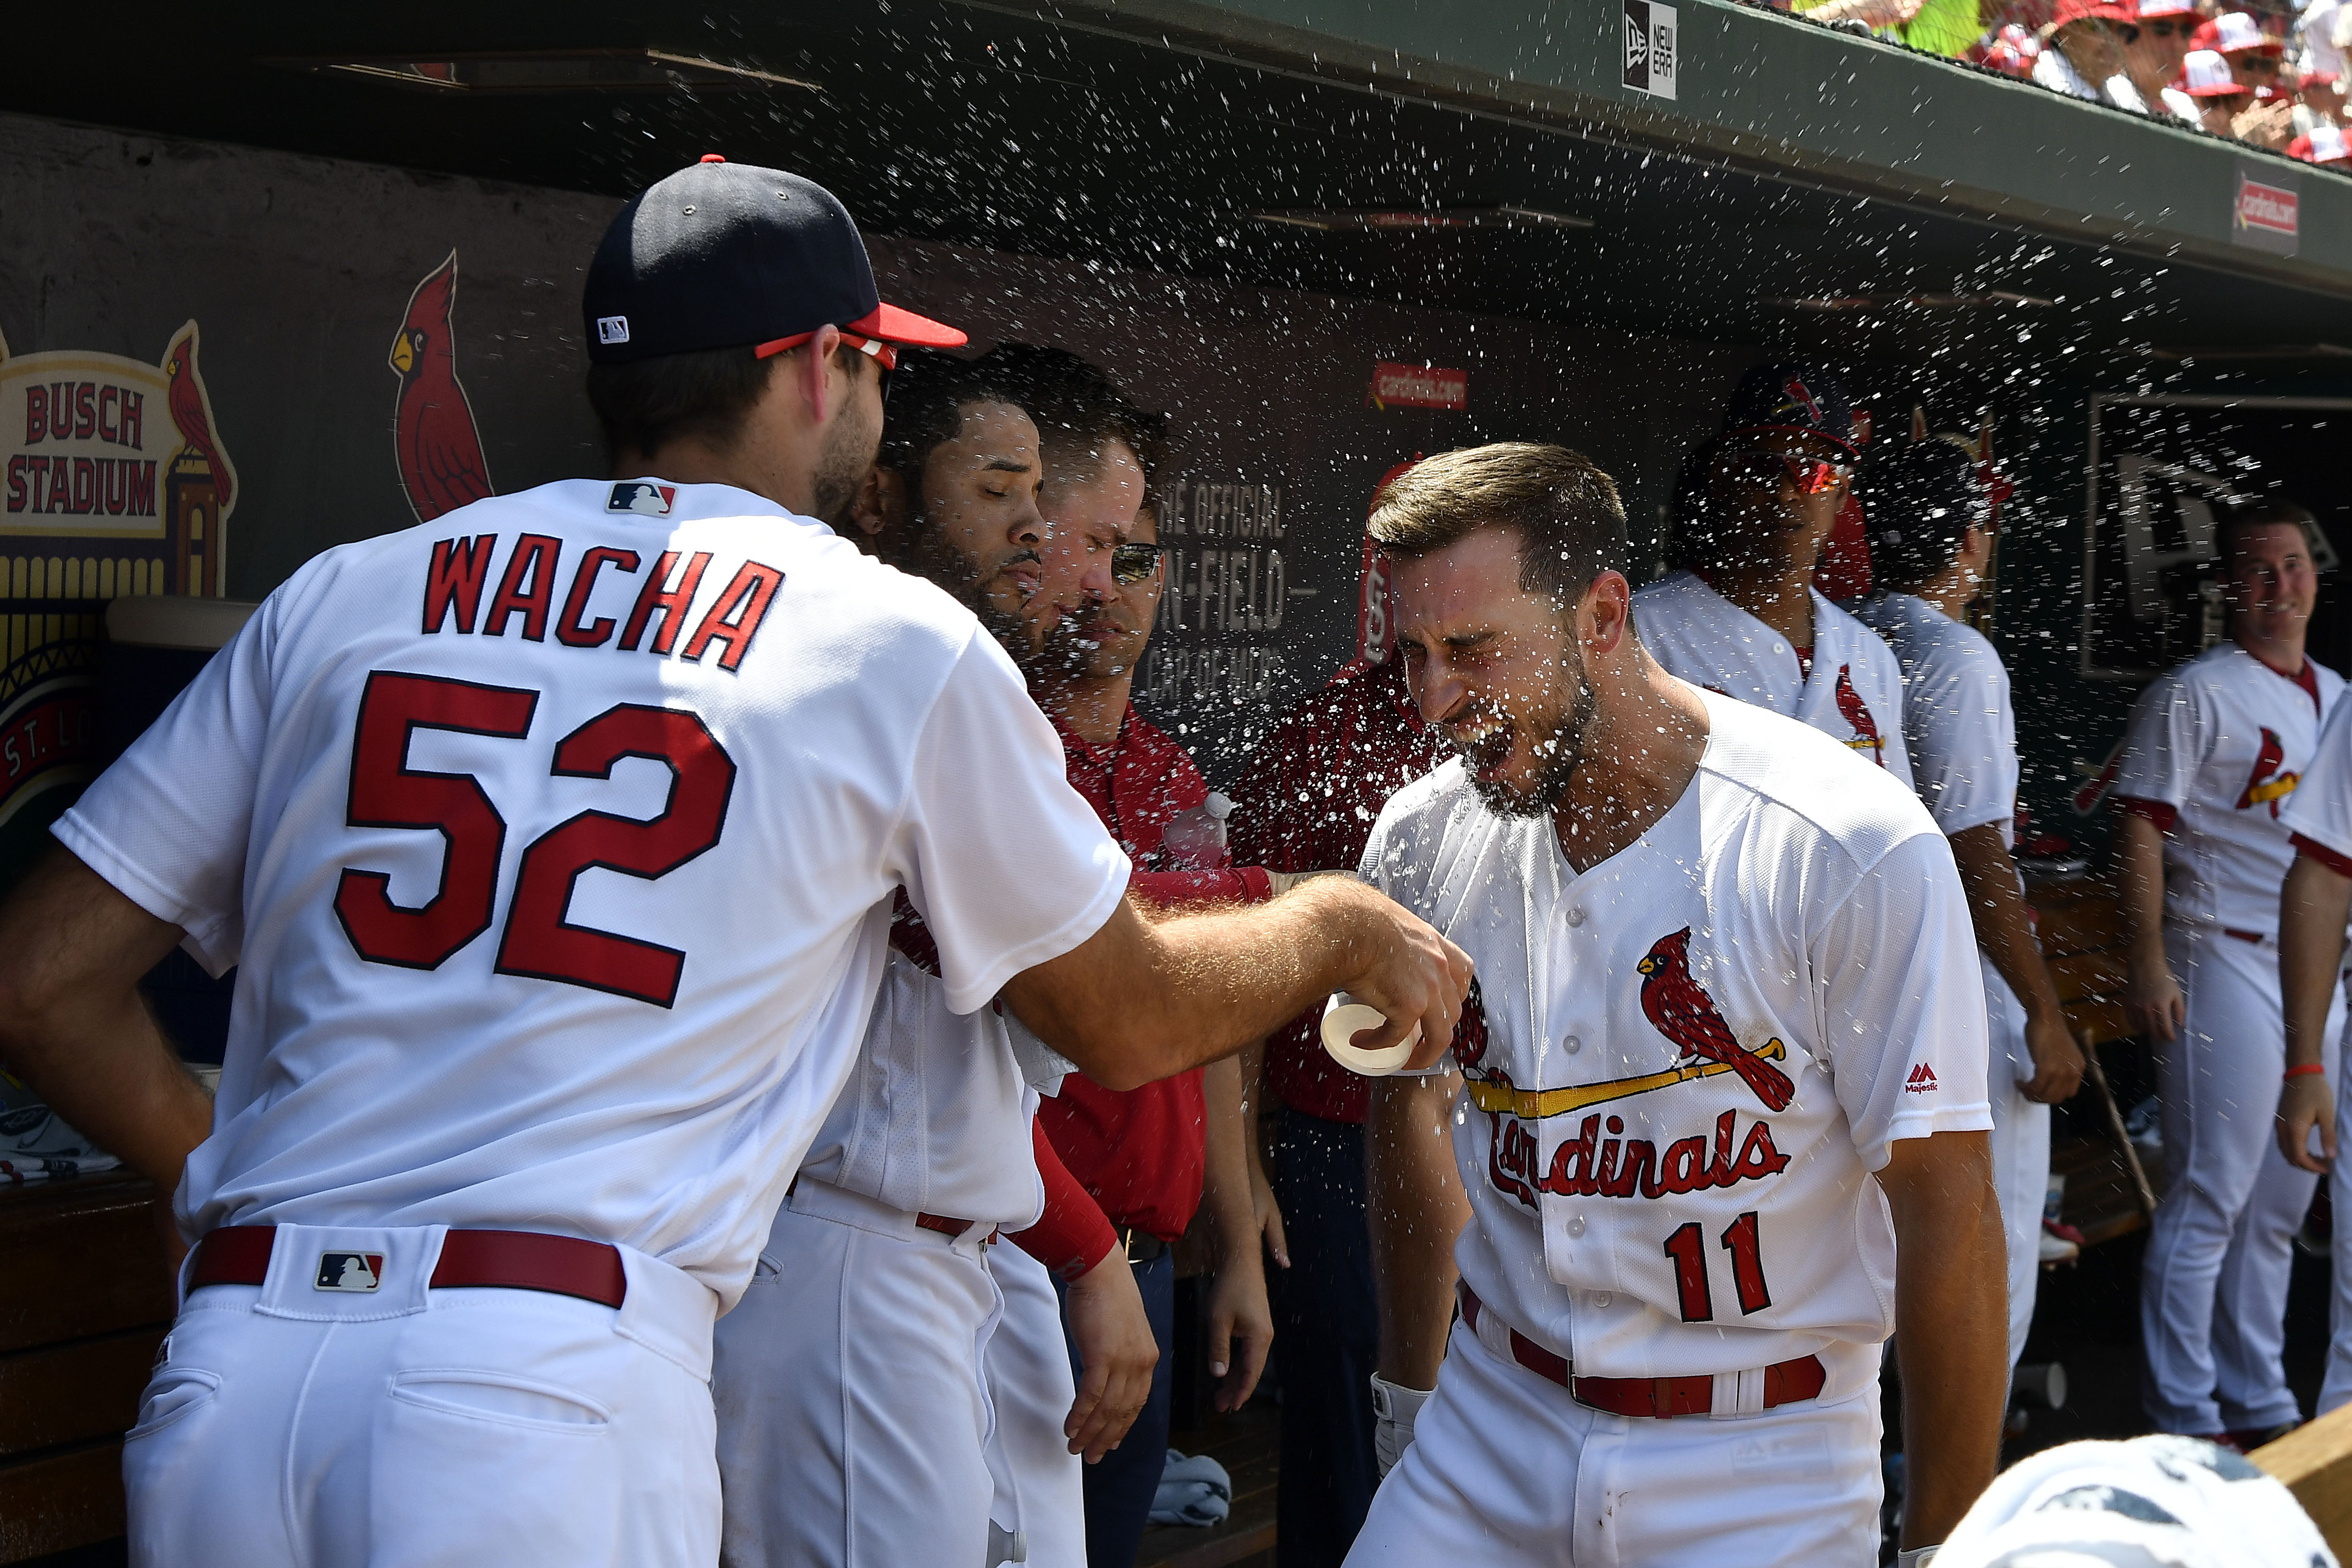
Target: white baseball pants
[[1040, 1484], [886, 1394], [2337, 1390], [406, 1426], [2213, 1286], [2021, 1150], [1507, 1471]]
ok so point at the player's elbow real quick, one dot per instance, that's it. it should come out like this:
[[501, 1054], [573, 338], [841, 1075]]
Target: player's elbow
[[1118, 1061]]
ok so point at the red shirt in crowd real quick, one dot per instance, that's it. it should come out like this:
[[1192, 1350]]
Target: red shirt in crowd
[[1307, 804], [1141, 1153]]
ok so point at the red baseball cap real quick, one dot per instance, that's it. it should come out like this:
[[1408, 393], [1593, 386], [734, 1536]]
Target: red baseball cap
[[2235, 33], [2121, 12]]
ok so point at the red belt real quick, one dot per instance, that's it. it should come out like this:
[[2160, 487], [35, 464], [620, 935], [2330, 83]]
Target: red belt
[[2253, 936], [947, 1226], [1654, 1398], [506, 1260]]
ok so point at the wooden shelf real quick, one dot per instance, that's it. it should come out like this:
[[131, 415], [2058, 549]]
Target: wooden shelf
[[1247, 1443]]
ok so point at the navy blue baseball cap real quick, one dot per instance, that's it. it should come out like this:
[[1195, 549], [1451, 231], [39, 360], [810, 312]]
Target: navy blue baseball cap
[[1791, 399], [720, 254]]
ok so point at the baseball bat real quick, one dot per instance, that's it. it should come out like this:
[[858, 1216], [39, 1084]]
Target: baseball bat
[[1534, 1104]]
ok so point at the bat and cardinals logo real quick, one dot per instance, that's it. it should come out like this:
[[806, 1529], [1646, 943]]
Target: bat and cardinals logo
[[1796, 397], [434, 439], [1866, 737], [2265, 785], [1678, 1007]]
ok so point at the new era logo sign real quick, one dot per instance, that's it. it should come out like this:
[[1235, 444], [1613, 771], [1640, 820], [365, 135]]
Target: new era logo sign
[[1652, 51], [349, 1270], [637, 496], [612, 329], [1921, 1081]]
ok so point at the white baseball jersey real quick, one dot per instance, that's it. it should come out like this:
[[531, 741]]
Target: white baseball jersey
[[1957, 728], [935, 1117], [1851, 692], [1643, 1206], [2222, 742], [2320, 809], [556, 839]]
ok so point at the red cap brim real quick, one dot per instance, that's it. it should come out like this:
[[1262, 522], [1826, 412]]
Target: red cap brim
[[893, 325]]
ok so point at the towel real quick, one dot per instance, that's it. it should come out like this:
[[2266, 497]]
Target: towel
[[1192, 1491]]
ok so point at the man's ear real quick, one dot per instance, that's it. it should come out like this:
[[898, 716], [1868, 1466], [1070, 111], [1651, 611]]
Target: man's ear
[[879, 507], [1606, 614]]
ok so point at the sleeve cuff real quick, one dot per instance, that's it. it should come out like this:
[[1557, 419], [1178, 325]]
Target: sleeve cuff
[[2155, 811], [211, 940], [1073, 1236], [1977, 1117], [1193, 889], [2338, 863]]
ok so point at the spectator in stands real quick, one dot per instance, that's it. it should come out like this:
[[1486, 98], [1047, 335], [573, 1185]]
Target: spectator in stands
[[2256, 59], [2011, 51], [1946, 27], [2152, 60], [2205, 79], [2324, 145], [2326, 28], [2083, 52], [2318, 100]]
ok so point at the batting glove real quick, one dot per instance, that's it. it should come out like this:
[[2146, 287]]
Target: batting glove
[[1394, 1408]]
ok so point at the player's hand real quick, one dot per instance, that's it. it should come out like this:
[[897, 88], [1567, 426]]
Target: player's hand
[[2307, 1102], [1409, 973], [2153, 1003], [1116, 1355], [1241, 1326], [2057, 1060]]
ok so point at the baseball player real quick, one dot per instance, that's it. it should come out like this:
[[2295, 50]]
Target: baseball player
[[1742, 616], [858, 1421], [554, 844], [2214, 751], [1722, 1122], [1929, 527], [2313, 909]]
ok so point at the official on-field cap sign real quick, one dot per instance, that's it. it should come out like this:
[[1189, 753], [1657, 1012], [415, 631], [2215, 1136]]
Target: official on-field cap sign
[[723, 254]]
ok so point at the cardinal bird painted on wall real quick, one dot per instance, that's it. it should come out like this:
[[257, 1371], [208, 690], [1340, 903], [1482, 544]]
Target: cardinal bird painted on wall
[[434, 437], [192, 418], [1680, 1009], [1865, 727]]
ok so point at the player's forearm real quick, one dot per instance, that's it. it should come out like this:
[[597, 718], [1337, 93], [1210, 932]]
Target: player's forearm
[[2140, 887], [74, 1027], [1146, 997], [2312, 906], [1417, 1210], [1224, 1181], [1951, 1325], [1997, 907]]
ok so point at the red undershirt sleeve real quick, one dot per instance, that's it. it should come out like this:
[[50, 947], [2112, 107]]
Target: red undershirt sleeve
[[1187, 889], [2340, 864], [1073, 1235], [2155, 811]]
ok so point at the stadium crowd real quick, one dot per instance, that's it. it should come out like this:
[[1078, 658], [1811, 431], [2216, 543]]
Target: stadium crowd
[[2268, 76]]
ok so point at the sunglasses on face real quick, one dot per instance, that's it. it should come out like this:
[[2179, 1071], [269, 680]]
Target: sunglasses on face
[[884, 355], [2167, 29], [2259, 64], [1809, 476], [1133, 562]]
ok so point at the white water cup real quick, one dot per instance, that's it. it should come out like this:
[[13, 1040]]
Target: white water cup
[[1344, 1017]]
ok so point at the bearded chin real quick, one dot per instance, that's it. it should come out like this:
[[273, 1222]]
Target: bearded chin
[[1565, 734]]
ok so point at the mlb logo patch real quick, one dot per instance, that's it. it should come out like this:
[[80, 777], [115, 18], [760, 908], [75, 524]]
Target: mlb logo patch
[[349, 1271], [612, 329], [637, 496]]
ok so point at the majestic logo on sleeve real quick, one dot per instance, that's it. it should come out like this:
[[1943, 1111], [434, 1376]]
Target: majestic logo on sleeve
[[1866, 737], [2266, 785]]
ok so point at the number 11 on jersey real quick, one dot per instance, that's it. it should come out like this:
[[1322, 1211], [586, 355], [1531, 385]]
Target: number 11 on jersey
[[1688, 1248]]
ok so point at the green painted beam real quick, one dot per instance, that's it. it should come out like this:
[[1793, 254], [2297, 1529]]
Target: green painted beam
[[1766, 92]]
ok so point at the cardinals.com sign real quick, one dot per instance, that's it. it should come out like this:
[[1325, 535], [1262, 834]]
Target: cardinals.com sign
[[2267, 214], [116, 481]]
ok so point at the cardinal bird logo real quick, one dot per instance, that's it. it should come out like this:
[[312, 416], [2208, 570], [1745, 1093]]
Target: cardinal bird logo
[[192, 418], [2266, 785], [434, 437], [1865, 727], [1470, 1031], [1680, 1009]]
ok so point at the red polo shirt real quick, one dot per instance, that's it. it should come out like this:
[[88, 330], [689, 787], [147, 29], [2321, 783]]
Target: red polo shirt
[[1140, 1154], [1307, 804]]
